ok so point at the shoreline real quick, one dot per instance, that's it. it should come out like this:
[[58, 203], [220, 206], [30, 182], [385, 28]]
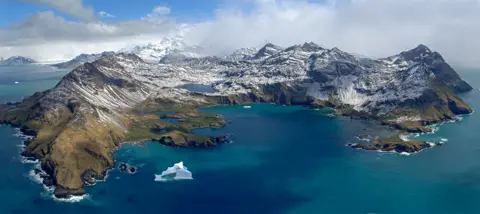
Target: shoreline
[[406, 137], [37, 174], [78, 198]]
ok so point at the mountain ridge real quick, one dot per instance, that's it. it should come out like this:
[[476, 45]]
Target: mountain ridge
[[80, 59]]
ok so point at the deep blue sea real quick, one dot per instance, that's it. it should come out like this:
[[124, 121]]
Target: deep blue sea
[[282, 160]]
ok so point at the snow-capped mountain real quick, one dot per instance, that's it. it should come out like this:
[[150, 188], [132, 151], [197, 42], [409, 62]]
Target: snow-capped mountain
[[16, 60], [370, 85], [154, 52], [80, 59]]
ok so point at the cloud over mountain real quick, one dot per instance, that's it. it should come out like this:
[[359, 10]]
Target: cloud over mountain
[[369, 27]]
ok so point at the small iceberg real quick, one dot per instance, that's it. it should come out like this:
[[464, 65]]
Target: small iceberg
[[247, 106], [404, 153], [16, 82], [176, 172]]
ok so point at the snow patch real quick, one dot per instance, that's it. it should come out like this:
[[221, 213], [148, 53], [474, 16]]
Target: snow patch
[[406, 118], [351, 97]]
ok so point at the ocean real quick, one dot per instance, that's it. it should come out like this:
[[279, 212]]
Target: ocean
[[282, 160]]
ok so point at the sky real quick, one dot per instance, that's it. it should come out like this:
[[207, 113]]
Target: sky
[[62, 29]]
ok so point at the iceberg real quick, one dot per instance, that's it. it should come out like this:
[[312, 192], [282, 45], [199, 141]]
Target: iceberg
[[176, 172], [247, 107]]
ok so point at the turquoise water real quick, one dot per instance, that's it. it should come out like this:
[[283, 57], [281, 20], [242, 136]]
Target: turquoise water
[[30, 78], [282, 160]]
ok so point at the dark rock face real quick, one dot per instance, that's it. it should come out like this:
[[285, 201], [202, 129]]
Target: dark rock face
[[443, 71], [449, 77], [90, 176], [62, 192], [222, 139]]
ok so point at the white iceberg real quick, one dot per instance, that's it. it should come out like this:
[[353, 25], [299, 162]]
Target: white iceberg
[[247, 107], [16, 82], [176, 172]]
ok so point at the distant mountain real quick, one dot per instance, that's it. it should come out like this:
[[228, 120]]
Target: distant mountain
[[80, 59], [154, 52], [16, 60]]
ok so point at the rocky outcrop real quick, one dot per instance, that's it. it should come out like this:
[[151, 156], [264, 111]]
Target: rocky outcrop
[[180, 139], [397, 146]]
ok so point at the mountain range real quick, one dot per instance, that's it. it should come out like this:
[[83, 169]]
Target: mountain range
[[101, 104]]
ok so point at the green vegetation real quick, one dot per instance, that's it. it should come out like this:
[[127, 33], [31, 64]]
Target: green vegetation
[[152, 127], [181, 139]]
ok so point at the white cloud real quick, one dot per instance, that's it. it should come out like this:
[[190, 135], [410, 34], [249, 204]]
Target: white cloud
[[161, 10], [45, 35], [158, 13], [74, 8], [371, 27], [105, 14], [375, 28]]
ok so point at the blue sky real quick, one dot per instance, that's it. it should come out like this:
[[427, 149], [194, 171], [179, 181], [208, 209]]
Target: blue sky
[[13, 11]]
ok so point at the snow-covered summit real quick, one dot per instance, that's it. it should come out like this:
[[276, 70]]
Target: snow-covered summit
[[154, 52]]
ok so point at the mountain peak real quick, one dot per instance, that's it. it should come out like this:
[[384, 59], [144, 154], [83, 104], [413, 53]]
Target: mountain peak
[[268, 50], [419, 49], [418, 53], [311, 47], [270, 45]]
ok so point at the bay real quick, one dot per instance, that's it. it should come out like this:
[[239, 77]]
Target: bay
[[282, 160]]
